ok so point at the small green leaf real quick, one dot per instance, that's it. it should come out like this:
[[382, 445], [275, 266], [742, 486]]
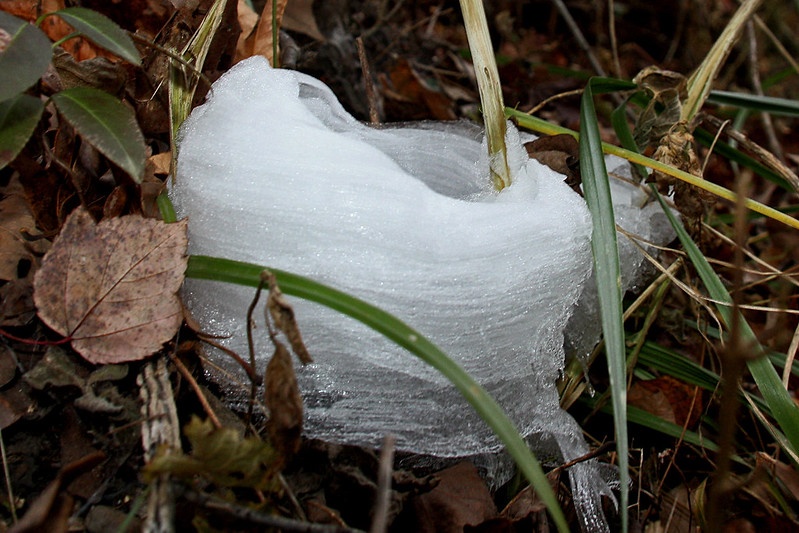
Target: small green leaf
[[102, 31], [25, 57], [18, 119], [107, 124], [221, 455]]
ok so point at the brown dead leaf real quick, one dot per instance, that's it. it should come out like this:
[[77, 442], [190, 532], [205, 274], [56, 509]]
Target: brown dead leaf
[[667, 398], [160, 163], [8, 365], [15, 403], [16, 303], [282, 397], [461, 498], [406, 88], [261, 41], [248, 19], [116, 203], [17, 253], [785, 474], [283, 317], [561, 153], [52, 509], [111, 287], [299, 17]]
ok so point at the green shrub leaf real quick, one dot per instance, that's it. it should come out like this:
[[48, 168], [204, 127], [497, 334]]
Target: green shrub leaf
[[18, 119], [25, 57], [102, 31], [107, 124]]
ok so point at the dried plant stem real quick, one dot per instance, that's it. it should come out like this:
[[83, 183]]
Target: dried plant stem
[[578, 34], [160, 428], [487, 75], [734, 356], [754, 74], [383, 499], [700, 82], [11, 503], [197, 391]]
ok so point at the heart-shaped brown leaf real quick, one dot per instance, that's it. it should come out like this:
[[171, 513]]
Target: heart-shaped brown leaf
[[111, 288]]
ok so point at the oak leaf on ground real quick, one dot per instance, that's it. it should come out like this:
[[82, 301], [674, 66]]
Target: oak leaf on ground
[[111, 288]]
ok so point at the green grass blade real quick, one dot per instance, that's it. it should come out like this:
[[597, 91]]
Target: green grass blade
[[18, 118], [767, 104], [226, 270], [619, 121], [779, 401], [707, 139], [107, 124], [25, 57], [643, 418], [608, 277], [536, 124], [777, 358], [102, 31], [678, 366]]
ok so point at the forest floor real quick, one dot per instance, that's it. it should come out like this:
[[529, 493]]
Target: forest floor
[[71, 431]]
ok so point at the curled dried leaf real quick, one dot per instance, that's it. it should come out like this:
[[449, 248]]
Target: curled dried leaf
[[283, 317], [282, 397]]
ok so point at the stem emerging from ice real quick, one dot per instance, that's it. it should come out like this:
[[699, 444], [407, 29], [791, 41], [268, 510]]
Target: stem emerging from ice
[[485, 69]]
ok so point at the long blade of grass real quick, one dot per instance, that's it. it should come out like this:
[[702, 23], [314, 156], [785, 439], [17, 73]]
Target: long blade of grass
[[678, 366], [778, 359], [779, 402], [542, 126], [767, 104], [636, 415], [226, 270], [673, 364], [608, 277]]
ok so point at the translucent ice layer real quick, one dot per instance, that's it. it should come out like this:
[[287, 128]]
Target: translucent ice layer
[[273, 171]]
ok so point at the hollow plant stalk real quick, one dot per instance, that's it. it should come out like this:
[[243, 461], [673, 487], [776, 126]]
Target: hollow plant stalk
[[485, 70], [701, 81]]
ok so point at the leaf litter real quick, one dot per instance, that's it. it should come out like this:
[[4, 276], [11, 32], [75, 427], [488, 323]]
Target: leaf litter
[[326, 491], [111, 288]]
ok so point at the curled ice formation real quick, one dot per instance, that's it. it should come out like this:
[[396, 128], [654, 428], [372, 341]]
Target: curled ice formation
[[273, 171]]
